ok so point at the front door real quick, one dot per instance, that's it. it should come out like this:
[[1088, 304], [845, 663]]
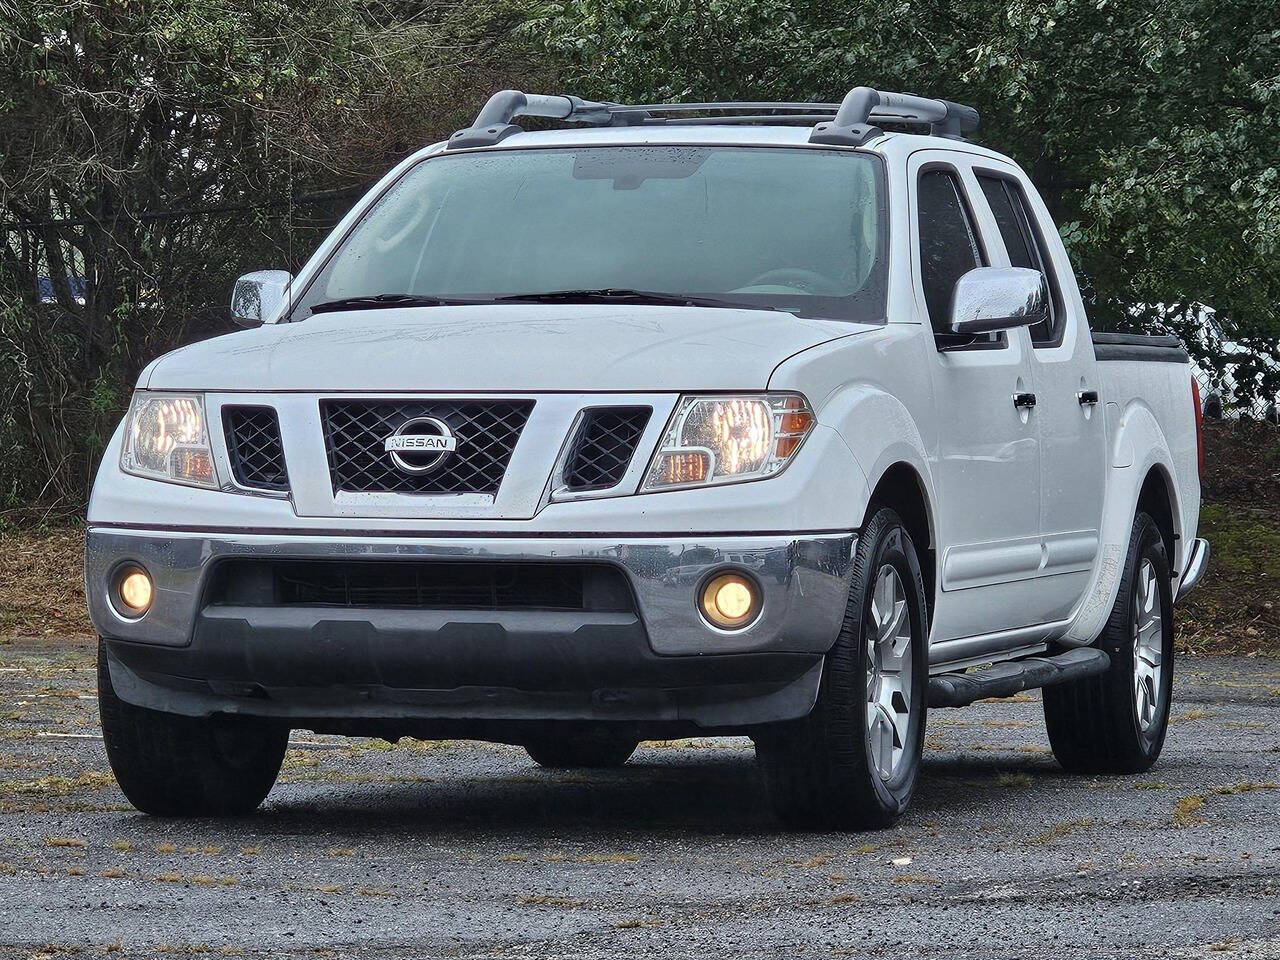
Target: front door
[[987, 469]]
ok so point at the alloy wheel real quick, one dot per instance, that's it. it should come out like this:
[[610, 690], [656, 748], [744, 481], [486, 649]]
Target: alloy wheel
[[1148, 645], [888, 673]]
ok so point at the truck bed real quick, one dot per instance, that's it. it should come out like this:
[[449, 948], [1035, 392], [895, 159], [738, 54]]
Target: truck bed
[[1150, 377]]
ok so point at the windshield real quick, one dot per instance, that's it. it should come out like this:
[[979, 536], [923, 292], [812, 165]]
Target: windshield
[[800, 230]]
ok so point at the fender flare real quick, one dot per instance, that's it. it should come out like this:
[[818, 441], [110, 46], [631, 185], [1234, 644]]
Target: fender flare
[[1137, 447], [880, 433]]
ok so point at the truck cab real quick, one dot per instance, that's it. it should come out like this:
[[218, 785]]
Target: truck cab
[[688, 418]]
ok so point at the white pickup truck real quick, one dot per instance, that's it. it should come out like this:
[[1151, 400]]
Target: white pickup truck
[[742, 419]]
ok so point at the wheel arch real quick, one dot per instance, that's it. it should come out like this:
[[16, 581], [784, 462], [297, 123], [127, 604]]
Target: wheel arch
[[1157, 498], [901, 488]]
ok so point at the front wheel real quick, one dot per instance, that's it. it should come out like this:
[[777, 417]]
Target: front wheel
[[1116, 722], [175, 766], [851, 764]]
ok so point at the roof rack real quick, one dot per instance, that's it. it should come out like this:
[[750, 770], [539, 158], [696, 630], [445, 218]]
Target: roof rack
[[848, 123]]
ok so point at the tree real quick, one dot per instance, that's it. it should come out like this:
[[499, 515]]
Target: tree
[[1152, 128], [150, 151]]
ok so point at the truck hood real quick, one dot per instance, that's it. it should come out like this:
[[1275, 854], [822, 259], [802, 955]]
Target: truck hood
[[512, 347]]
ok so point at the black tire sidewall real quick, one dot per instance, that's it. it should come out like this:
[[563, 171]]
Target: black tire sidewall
[[1148, 545], [886, 541], [174, 766]]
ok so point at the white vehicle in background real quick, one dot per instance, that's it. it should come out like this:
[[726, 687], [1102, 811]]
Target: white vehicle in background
[[659, 425]]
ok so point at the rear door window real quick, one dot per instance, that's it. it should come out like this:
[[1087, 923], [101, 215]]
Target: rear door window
[[1009, 208]]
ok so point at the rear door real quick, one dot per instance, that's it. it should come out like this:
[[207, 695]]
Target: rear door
[[987, 467], [1068, 403]]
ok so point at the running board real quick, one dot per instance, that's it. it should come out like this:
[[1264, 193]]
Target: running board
[[1013, 676]]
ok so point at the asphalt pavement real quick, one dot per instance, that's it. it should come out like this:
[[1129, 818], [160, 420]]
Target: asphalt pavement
[[471, 850]]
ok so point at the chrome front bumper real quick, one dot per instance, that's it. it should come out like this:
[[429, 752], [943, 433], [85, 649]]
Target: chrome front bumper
[[804, 580], [656, 666]]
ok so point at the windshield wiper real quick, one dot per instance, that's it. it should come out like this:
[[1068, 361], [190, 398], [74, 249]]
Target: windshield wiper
[[626, 295], [599, 295], [384, 300]]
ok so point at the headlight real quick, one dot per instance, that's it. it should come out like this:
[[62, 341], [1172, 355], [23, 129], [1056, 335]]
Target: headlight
[[166, 438], [729, 439]]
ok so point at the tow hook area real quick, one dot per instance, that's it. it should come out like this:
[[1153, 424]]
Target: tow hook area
[[1014, 676]]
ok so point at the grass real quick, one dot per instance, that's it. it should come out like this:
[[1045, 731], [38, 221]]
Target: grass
[[1248, 786], [1185, 810], [1237, 607], [57, 786], [1060, 830], [64, 842], [636, 924], [41, 590]]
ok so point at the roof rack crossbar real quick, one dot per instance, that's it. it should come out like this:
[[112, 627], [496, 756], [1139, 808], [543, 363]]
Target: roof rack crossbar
[[777, 119], [847, 123], [824, 108]]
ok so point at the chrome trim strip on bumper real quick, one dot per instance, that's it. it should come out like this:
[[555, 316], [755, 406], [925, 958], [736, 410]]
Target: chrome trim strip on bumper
[[804, 578], [1197, 566]]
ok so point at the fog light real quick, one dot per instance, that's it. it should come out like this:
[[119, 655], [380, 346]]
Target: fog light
[[730, 601], [134, 591]]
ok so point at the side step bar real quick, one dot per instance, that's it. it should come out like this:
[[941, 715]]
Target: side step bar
[[1013, 676]]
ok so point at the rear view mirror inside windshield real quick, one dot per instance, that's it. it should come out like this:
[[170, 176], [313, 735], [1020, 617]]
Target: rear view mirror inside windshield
[[630, 167]]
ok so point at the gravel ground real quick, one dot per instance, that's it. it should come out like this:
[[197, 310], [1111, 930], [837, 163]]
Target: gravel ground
[[467, 849]]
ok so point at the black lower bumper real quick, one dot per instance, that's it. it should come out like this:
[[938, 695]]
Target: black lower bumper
[[429, 674]]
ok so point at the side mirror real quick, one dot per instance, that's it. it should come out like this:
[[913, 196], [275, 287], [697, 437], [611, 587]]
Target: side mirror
[[258, 295], [987, 299]]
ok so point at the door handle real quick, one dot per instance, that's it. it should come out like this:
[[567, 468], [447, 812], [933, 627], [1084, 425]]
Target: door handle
[[1087, 398], [1024, 401]]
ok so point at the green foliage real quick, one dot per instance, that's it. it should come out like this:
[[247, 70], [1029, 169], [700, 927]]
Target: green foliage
[[157, 149], [1153, 129]]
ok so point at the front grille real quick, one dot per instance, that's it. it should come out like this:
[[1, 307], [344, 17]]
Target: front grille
[[254, 447], [486, 433], [421, 584], [604, 446]]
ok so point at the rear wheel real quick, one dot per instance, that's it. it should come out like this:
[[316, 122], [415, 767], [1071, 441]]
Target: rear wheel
[[175, 766], [852, 763], [581, 749], [1116, 722]]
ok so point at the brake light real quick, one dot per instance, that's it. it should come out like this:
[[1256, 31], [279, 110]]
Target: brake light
[[1195, 399]]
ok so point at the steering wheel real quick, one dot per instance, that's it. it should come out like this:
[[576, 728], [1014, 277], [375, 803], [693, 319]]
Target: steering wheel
[[809, 281]]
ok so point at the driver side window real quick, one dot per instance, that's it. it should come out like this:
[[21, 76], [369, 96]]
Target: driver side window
[[948, 242]]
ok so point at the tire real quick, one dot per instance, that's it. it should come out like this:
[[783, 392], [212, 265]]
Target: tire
[[837, 768], [581, 749], [175, 766], [1116, 722]]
